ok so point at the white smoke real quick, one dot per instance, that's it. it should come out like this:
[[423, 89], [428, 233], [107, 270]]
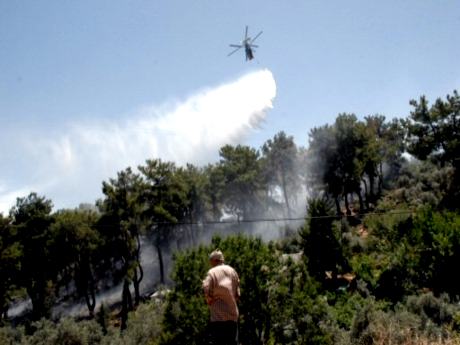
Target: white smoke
[[69, 167]]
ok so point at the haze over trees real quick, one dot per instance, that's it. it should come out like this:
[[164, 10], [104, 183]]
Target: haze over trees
[[370, 258]]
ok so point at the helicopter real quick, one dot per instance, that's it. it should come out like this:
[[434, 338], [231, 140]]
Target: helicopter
[[248, 45]]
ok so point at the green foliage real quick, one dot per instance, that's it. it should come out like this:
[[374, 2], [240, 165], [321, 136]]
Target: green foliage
[[10, 256], [350, 154], [321, 242], [393, 256], [343, 306], [66, 332], [434, 133], [143, 327], [429, 308], [244, 185], [122, 212], [418, 183], [214, 188], [255, 264], [439, 243], [77, 243], [298, 312], [164, 193], [420, 319], [279, 302], [407, 252], [280, 165], [32, 219], [164, 199], [11, 336], [186, 313], [197, 205]]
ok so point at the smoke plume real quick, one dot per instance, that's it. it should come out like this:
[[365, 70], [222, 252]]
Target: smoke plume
[[69, 164]]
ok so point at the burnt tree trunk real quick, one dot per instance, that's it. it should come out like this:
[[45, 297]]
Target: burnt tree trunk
[[286, 199], [126, 304], [161, 263]]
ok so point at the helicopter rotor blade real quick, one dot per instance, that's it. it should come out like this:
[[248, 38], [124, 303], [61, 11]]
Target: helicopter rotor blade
[[260, 33], [234, 51], [236, 45], [246, 33]]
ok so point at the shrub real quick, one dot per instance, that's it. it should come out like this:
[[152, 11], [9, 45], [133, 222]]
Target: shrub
[[143, 327], [66, 332], [279, 302]]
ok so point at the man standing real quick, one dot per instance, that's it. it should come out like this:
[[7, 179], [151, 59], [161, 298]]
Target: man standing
[[222, 291]]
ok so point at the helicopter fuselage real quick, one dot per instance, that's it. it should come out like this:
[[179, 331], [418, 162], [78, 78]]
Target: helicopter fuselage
[[249, 54]]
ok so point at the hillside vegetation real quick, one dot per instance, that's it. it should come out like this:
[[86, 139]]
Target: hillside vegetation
[[370, 259]]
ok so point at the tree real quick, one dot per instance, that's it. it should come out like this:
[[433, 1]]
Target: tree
[[323, 164], [10, 256], [214, 189], [351, 144], [372, 156], [434, 133], [392, 146], [279, 301], [32, 219], [280, 158], [336, 159], [320, 242], [164, 200], [186, 313], [197, 202], [77, 245], [122, 211], [244, 186], [350, 154]]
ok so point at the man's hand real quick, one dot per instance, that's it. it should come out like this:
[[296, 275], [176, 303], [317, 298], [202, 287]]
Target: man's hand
[[209, 300]]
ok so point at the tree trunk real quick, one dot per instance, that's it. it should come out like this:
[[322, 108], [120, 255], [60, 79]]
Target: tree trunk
[[337, 206], [347, 207], [3, 307], [361, 203], [90, 295], [366, 194], [137, 278], [160, 261], [191, 233], [137, 281], [38, 295], [380, 183], [215, 208], [371, 188], [126, 304], [90, 299], [286, 199]]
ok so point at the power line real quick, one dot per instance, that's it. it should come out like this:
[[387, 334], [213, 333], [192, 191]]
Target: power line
[[290, 219]]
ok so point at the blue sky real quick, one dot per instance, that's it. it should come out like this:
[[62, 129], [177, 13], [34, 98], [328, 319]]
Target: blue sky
[[76, 74]]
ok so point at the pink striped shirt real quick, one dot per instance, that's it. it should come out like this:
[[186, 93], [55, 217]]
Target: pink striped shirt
[[222, 290]]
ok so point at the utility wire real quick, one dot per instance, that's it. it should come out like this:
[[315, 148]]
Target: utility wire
[[267, 220]]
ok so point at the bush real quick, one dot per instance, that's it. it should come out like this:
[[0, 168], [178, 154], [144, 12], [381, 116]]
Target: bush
[[66, 332], [422, 319], [279, 302], [11, 336], [143, 327]]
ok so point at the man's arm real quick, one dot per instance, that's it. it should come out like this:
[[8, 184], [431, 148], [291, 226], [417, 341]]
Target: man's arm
[[237, 290], [207, 283]]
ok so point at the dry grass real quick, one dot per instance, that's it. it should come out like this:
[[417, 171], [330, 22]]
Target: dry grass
[[389, 336]]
